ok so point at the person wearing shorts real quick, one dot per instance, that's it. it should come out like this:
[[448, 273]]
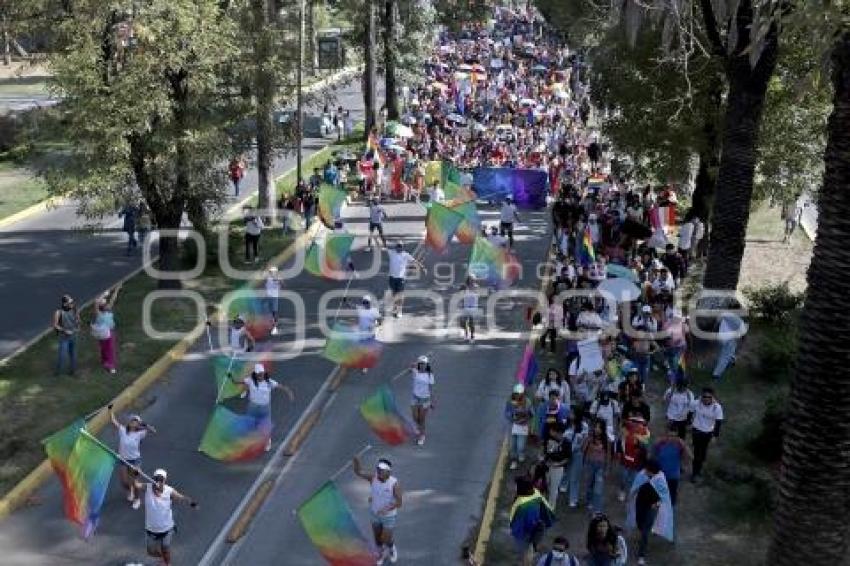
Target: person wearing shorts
[[384, 502], [130, 436], [468, 310], [507, 215], [423, 394], [399, 260], [377, 215], [159, 517]]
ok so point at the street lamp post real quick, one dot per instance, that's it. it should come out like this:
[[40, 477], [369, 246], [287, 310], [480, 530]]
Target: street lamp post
[[299, 124]]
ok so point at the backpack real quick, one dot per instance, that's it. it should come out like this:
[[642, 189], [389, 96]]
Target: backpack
[[573, 561]]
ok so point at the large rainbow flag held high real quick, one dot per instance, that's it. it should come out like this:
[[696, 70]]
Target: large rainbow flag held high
[[441, 223], [471, 225], [330, 259], [384, 418], [222, 365], [328, 521], [375, 147], [84, 468], [527, 370], [350, 348], [496, 266], [235, 438], [584, 249], [331, 200]]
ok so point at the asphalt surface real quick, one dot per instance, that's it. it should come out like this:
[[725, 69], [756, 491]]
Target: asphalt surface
[[56, 252], [445, 481]]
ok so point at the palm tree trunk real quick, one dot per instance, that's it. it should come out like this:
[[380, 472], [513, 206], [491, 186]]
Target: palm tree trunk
[[705, 184], [369, 86], [814, 486], [744, 105], [264, 88]]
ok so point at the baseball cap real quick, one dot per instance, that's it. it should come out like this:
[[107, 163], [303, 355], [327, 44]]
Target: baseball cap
[[422, 359], [519, 388], [646, 308], [160, 473], [384, 465], [259, 368], [135, 418]]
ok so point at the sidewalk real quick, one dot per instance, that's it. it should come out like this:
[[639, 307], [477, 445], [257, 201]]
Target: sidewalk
[[53, 253], [445, 481]]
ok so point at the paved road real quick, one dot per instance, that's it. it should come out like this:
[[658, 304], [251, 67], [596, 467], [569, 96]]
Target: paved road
[[445, 481], [56, 252]]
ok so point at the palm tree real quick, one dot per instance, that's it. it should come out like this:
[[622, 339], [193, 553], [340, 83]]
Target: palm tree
[[814, 486]]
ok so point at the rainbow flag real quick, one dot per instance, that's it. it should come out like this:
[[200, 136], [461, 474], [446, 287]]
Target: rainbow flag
[[331, 200], [248, 302], [441, 223], [584, 249], [84, 468], [497, 266], [235, 438], [471, 225], [450, 180], [663, 218], [328, 522], [375, 147], [528, 513], [330, 260], [527, 370], [384, 418], [350, 348]]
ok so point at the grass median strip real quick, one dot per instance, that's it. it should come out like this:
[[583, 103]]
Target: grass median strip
[[35, 403]]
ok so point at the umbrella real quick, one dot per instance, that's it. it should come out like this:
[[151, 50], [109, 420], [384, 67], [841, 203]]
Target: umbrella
[[399, 130], [621, 289], [617, 270], [456, 118]]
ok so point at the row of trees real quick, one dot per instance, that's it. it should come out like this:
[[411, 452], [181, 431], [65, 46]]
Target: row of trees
[[743, 87]]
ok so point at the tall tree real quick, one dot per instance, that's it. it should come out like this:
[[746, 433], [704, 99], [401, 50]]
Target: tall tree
[[390, 88], [143, 109], [814, 485]]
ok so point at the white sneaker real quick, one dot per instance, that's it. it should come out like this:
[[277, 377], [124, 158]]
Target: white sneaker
[[131, 497], [621, 496], [641, 561], [243, 394], [364, 371], [419, 442], [381, 557], [137, 503], [393, 554], [513, 465], [268, 444], [275, 331]]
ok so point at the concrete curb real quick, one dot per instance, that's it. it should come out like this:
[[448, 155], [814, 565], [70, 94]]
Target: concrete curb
[[32, 210]]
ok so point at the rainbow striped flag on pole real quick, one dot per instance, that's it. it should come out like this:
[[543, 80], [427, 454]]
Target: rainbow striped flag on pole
[[384, 418], [441, 223], [327, 520], [235, 438], [331, 259], [84, 467], [331, 200], [528, 367], [471, 225], [585, 253], [349, 347]]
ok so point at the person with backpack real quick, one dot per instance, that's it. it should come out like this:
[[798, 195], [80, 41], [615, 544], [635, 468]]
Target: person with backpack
[[236, 170], [558, 556], [518, 412], [679, 399], [253, 229], [606, 546], [634, 439], [530, 516]]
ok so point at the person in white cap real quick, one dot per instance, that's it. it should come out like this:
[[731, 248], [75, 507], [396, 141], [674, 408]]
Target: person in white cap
[[384, 502], [259, 387], [240, 339], [159, 517], [130, 437], [423, 394], [399, 260], [368, 319], [273, 284], [518, 412]]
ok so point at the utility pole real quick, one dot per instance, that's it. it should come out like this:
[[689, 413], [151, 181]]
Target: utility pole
[[299, 102], [369, 94]]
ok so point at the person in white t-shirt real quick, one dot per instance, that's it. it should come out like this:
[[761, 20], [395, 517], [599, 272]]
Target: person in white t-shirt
[[273, 284], [377, 215], [507, 215], [368, 319], [399, 261], [253, 229], [259, 387], [239, 339], [679, 399], [385, 500], [130, 438], [159, 517], [423, 394], [707, 416]]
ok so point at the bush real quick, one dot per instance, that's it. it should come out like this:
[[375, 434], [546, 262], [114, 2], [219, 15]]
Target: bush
[[767, 444], [773, 303], [777, 354]]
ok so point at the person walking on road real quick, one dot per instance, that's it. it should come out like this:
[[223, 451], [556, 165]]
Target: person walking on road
[[399, 261], [253, 229], [558, 556], [385, 500], [130, 214], [671, 452], [730, 331], [377, 215], [236, 170], [507, 215], [606, 545], [518, 412], [679, 399], [273, 284], [103, 329], [259, 387], [469, 310], [707, 419], [66, 323], [240, 339], [368, 319], [145, 223], [159, 516], [130, 436], [423, 394]]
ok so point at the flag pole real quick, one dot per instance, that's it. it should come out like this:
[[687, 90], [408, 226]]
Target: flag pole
[[405, 370], [226, 377], [209, 336], [97, 441], [344, 296], [348, 463]]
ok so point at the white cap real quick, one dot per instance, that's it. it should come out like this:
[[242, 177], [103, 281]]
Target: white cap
[[366, 299], [519, 388], [259, 368], [384, 465], [273, 269], [135, 418], [646, 308], [422, 359], [160, 472]]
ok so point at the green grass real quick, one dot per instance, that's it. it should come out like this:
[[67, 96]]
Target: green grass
[[34, 403], [286, 184], [18, 189]]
